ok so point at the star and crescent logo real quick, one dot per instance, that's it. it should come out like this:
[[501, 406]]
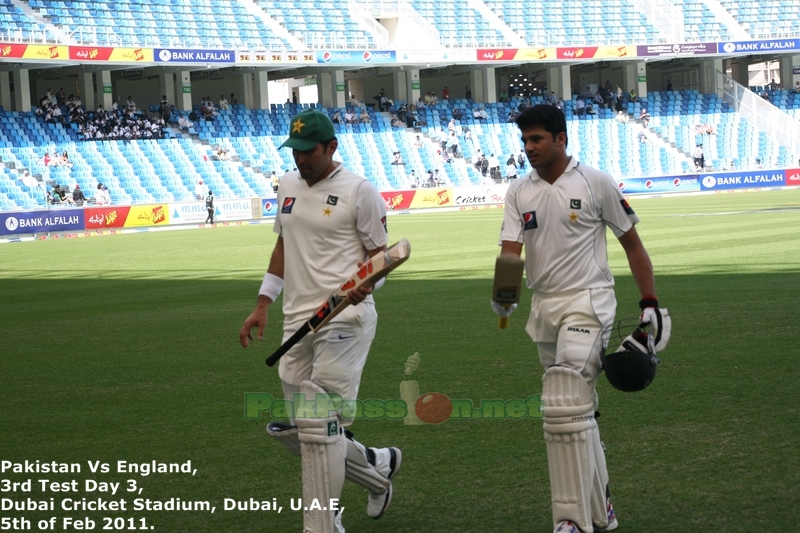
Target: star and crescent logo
[[298, 126]]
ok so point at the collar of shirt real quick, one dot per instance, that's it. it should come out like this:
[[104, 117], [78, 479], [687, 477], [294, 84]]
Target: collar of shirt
[[573, 163]]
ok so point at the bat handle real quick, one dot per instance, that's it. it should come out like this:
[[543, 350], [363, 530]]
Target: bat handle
[[286, 346], [503, 322]]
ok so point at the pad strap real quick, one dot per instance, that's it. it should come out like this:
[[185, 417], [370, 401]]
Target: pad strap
[[322, 450]]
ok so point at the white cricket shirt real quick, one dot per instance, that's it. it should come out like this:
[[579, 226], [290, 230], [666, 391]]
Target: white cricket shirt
[[563, 227], [327, 229]]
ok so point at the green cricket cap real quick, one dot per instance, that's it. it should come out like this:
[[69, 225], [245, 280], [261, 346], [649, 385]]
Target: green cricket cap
[[309, 128]]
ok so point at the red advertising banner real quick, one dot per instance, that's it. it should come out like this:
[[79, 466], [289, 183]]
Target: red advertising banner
[[398, 200], [576, 52], [793, 177], [106, 217], [496, 54], [108, 53], [48, 52]]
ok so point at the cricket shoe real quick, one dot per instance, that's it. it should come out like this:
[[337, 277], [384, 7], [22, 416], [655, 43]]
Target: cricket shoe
[[566, 526], [337, 523], [387, 461], [612, 518]]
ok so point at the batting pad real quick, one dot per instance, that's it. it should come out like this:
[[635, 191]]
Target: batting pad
[[286, 435], [322, 449], [569, 426], [361, 472]]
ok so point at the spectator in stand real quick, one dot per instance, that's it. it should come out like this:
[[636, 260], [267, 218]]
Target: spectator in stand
[[223, 102], [102, 197], [445, 93], [337, 117], [457, 115], [78, 196], [632, 96], [512, 115], [580, 107], [454, 145], [165, 108], [511, 169], [494, 166], [396, 122], [48, 162], [65, 160], [467, 93], [451, 126], [413, 180], [364, 117], [621, 117], [354, 101], [232, 100], [184, 123], [398, 159], [199, 190], [130, 104], [349, 117], [644, 117], [54, 196]]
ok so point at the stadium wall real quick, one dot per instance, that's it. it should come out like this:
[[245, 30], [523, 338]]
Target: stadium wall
[[101, 218]]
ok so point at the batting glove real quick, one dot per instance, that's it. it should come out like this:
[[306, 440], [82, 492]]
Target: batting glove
[[501, 310], [658, 321]]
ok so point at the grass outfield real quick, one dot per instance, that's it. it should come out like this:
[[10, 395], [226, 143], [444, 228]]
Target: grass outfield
[[125, 348]]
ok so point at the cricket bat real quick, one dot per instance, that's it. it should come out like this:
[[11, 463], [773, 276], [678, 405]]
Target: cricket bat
[[507, 283], [377, 267]]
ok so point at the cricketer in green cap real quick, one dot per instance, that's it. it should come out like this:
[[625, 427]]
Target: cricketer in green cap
[[308, 129]]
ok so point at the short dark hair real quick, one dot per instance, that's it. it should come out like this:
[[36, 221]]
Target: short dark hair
[[548, 117]]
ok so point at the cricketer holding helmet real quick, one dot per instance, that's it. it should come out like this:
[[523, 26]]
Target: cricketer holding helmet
[[559, 213], [329, 220]]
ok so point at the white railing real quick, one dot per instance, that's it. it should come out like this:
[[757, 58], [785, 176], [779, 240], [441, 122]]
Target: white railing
[[665, 16], [401, 8], [763, 115], [366, 21]]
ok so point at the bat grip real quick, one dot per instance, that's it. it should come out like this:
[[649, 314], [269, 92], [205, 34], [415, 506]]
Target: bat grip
[[286, 346], [503, 322]]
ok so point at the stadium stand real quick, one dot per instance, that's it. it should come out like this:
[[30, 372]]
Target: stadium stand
[[196, 23], [168, 169]]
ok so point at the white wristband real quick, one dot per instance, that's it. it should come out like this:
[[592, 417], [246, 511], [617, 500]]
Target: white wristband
[[271, 287]]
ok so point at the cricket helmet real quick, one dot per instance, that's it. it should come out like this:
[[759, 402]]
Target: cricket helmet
[[632, 367]]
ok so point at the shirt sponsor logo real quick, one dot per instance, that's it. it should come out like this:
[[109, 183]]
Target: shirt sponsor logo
[[575, 204], [529, 220], [288, 204], [578, 330], [626, 206]]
